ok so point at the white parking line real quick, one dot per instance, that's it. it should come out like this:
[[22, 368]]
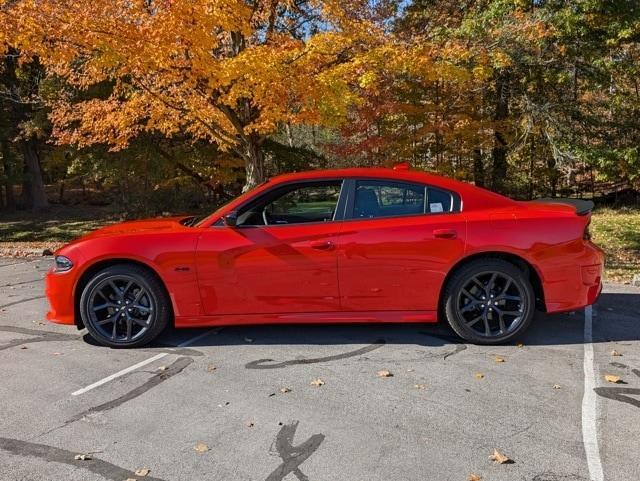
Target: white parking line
[[141, 364], [589, 408]]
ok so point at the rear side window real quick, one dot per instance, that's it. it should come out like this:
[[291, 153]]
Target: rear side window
[[385, 198], [439, 201]]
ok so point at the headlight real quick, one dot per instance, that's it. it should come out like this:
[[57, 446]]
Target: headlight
[[63, 264]]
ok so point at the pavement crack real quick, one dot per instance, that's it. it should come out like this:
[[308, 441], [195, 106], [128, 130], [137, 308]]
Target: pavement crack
[[39, 336], [15, 303], [260, 363], [293, 456], [11, 284], [177, 367], [456, 350], [57, 455]]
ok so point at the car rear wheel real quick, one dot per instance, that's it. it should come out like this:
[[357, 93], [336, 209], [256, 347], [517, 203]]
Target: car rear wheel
[[489, 301], [124, 306]]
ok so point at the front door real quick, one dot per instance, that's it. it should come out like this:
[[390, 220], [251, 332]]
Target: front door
[[397, 246], [280, 258]]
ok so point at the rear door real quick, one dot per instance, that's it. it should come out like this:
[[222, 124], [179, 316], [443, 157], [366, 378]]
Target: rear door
[[398, 242]]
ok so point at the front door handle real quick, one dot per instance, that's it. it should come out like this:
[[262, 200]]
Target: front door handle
[[322, 245], [445, 234]]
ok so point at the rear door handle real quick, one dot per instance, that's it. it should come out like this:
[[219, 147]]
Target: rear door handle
[[445, 234], [322, 245]]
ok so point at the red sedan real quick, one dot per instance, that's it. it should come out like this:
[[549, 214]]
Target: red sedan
[[354, 245]]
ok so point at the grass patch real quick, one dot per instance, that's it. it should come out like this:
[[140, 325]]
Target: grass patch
[[617, 232], [58, 224]]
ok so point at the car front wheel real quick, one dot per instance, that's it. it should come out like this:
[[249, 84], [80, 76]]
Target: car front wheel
[[124, 306], [489, 301]]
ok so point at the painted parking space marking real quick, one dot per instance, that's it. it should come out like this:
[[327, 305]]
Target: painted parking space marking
[[141, 363], [589, 399]]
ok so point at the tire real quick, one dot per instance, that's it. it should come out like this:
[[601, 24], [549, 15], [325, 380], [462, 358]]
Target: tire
[[489, 301], [125, 305]]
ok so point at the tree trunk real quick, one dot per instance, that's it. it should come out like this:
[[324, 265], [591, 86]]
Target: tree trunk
[[254, 163], [499, 151], [478, 168], [10, 201], [38, 194], [289, 132]]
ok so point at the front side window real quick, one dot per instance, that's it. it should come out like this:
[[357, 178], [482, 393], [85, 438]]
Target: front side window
[[296, 204]]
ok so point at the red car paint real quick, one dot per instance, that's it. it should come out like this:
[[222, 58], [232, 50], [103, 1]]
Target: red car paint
[[355, 270]]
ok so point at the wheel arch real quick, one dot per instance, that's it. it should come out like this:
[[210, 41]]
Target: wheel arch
[[97, 266], [519, 261]]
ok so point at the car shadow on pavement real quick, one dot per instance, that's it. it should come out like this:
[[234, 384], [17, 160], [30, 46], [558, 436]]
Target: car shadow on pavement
[[615, 320]]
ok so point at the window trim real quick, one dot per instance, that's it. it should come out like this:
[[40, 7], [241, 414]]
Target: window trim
[[350, 204], [338, 215]]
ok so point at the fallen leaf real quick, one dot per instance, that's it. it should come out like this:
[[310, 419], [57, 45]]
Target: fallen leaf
[[474, 477], [317, 382], [248, 339], [285, 390], [556, 386], [498, 359], [613, 379], [211, 367], [250, 424], [479, 375], [615, 353], [162, 368], [500, 458], [142, 471], [82, 457], [201, 448], [419, 386], [385, 373]]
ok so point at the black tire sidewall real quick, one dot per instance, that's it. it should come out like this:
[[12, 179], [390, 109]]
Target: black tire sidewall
[[149, 282], [463, 275]]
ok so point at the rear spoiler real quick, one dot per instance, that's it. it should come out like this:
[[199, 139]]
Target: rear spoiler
[[583, 207]]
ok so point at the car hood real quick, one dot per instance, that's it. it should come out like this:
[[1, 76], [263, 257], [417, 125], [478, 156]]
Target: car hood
[[161, 224]]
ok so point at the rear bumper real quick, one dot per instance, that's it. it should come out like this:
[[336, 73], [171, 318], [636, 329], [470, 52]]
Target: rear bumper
[[59, 292], [577, 283]]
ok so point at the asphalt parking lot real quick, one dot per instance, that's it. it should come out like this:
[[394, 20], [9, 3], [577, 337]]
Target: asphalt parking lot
[[244, 396]]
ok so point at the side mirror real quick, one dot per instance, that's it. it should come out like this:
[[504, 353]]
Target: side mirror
[[231, 219]]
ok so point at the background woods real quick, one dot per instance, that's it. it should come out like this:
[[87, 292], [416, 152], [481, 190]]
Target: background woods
[[153, 106]]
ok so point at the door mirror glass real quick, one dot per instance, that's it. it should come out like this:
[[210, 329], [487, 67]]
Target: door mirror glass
[[231, 219]]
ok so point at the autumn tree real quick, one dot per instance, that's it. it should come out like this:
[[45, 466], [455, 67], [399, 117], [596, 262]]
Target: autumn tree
[[24, 128], [227, 71]]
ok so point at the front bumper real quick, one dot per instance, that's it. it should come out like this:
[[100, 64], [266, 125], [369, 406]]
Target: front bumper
[[59, 292]]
